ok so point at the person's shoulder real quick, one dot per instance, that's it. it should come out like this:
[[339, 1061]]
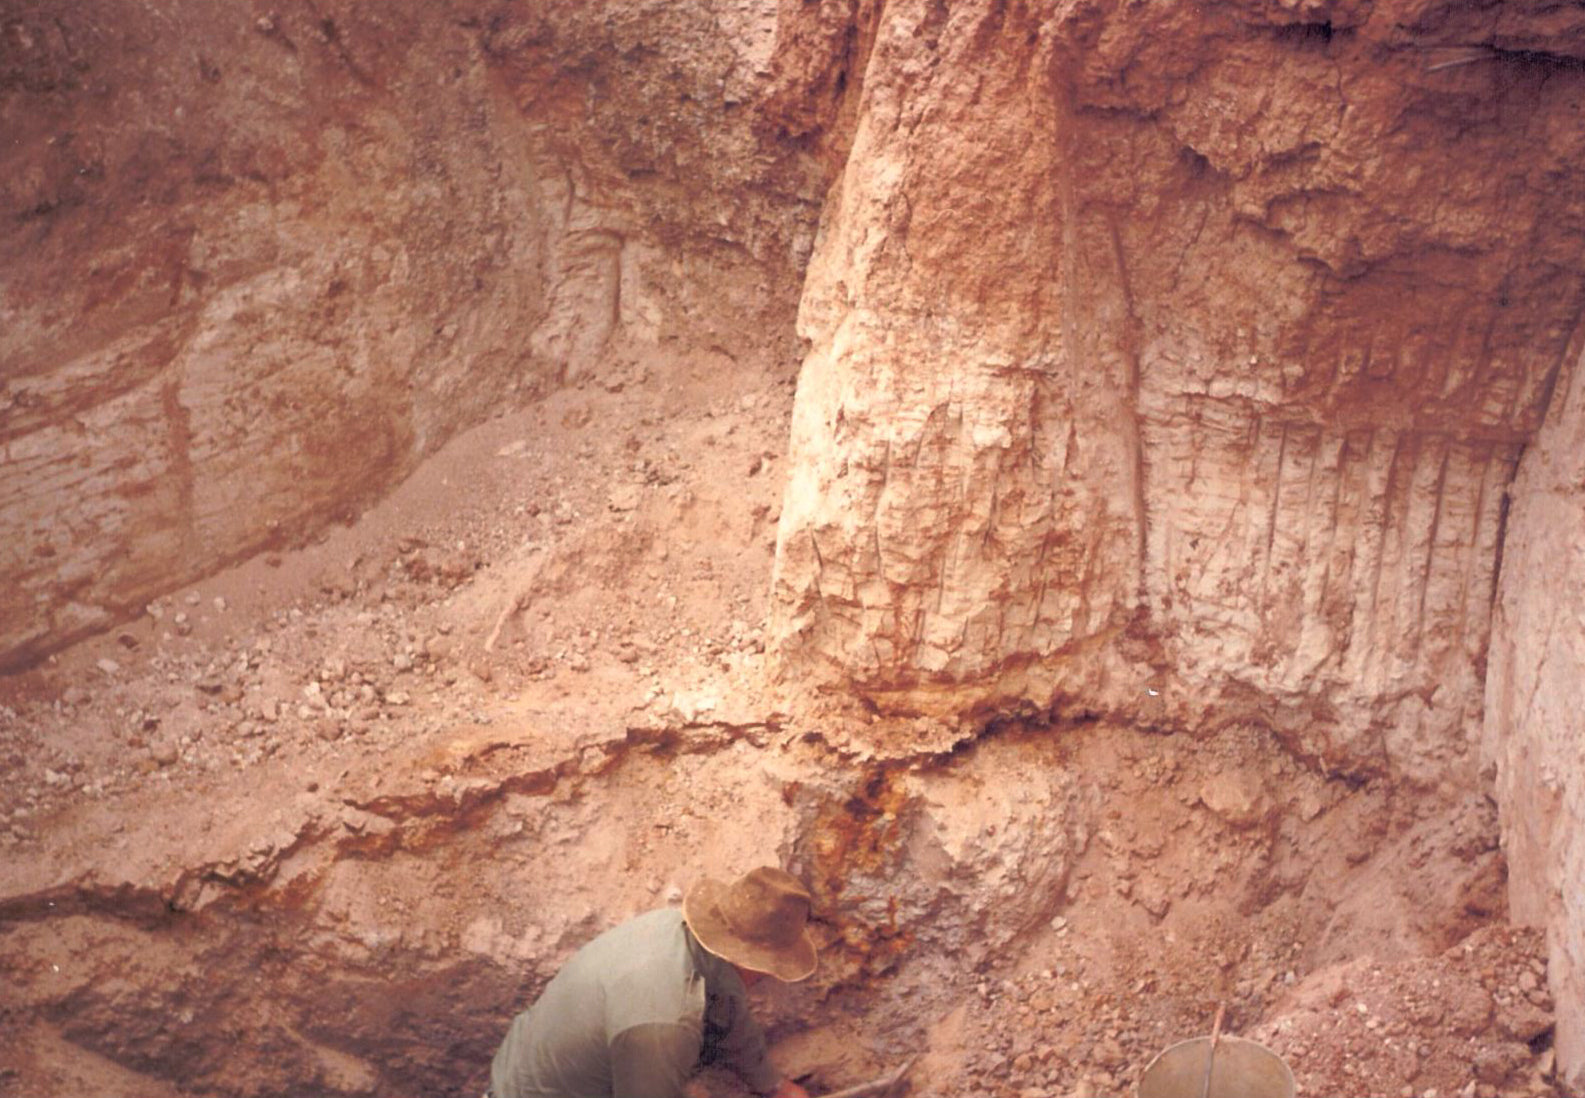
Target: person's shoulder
[[660, 921], [648, 973], [648, 935]]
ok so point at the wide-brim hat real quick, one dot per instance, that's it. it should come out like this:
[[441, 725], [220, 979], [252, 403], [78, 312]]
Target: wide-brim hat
[[758, 922]]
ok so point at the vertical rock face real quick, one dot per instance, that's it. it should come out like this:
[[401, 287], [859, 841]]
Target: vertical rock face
[[254, 265], [1535, 694], [213, 253], [1172, 362]]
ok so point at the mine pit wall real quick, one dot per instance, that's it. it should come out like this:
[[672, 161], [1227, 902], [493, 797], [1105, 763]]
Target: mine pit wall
[[1176, 364], [1172, 363], [256, 262], [1535, 695]]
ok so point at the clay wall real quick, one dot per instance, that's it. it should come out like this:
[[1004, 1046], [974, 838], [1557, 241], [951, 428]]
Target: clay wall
[[255, 263], [1172, 364]]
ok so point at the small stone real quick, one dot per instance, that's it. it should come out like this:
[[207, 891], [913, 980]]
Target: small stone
[[164, 752], [108, 666], [1235, 797]]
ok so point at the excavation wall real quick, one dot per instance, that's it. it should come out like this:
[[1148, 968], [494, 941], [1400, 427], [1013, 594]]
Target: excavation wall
[[254, 264], [1175, 364], [1190, 366], [1172, 362], [1535, 694]]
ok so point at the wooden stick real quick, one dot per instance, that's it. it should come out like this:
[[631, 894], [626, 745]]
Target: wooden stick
[[881, 1085], [1210, 1057]]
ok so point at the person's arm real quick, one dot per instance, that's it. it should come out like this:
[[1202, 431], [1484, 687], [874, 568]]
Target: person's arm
[[653, 1060], [742, 1048]]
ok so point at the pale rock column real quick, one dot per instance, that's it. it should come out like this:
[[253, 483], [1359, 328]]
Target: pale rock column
[[962, 501], [1535, 706]]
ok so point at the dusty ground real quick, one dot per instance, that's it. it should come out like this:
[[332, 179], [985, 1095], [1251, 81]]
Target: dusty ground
[[322, 823]]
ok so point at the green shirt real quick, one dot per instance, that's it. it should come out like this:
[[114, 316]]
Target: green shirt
[[628, 1017]]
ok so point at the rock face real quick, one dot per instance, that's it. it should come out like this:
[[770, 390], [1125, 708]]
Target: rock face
[[1172, 363], [254, 266], [1167, 362], [1534, 696]]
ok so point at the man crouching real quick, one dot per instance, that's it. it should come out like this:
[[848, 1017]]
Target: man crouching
[[630, 1015]]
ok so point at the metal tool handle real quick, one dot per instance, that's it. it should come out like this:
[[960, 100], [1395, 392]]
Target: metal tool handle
[[1210, 1056]]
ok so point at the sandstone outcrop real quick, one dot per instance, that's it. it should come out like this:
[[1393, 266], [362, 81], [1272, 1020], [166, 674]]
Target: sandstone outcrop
[[1172, 363]]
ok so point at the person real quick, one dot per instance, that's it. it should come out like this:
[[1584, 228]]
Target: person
[[632, 1013]]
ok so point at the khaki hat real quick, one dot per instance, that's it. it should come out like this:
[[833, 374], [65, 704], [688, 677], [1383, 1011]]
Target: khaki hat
[[758, 922]]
